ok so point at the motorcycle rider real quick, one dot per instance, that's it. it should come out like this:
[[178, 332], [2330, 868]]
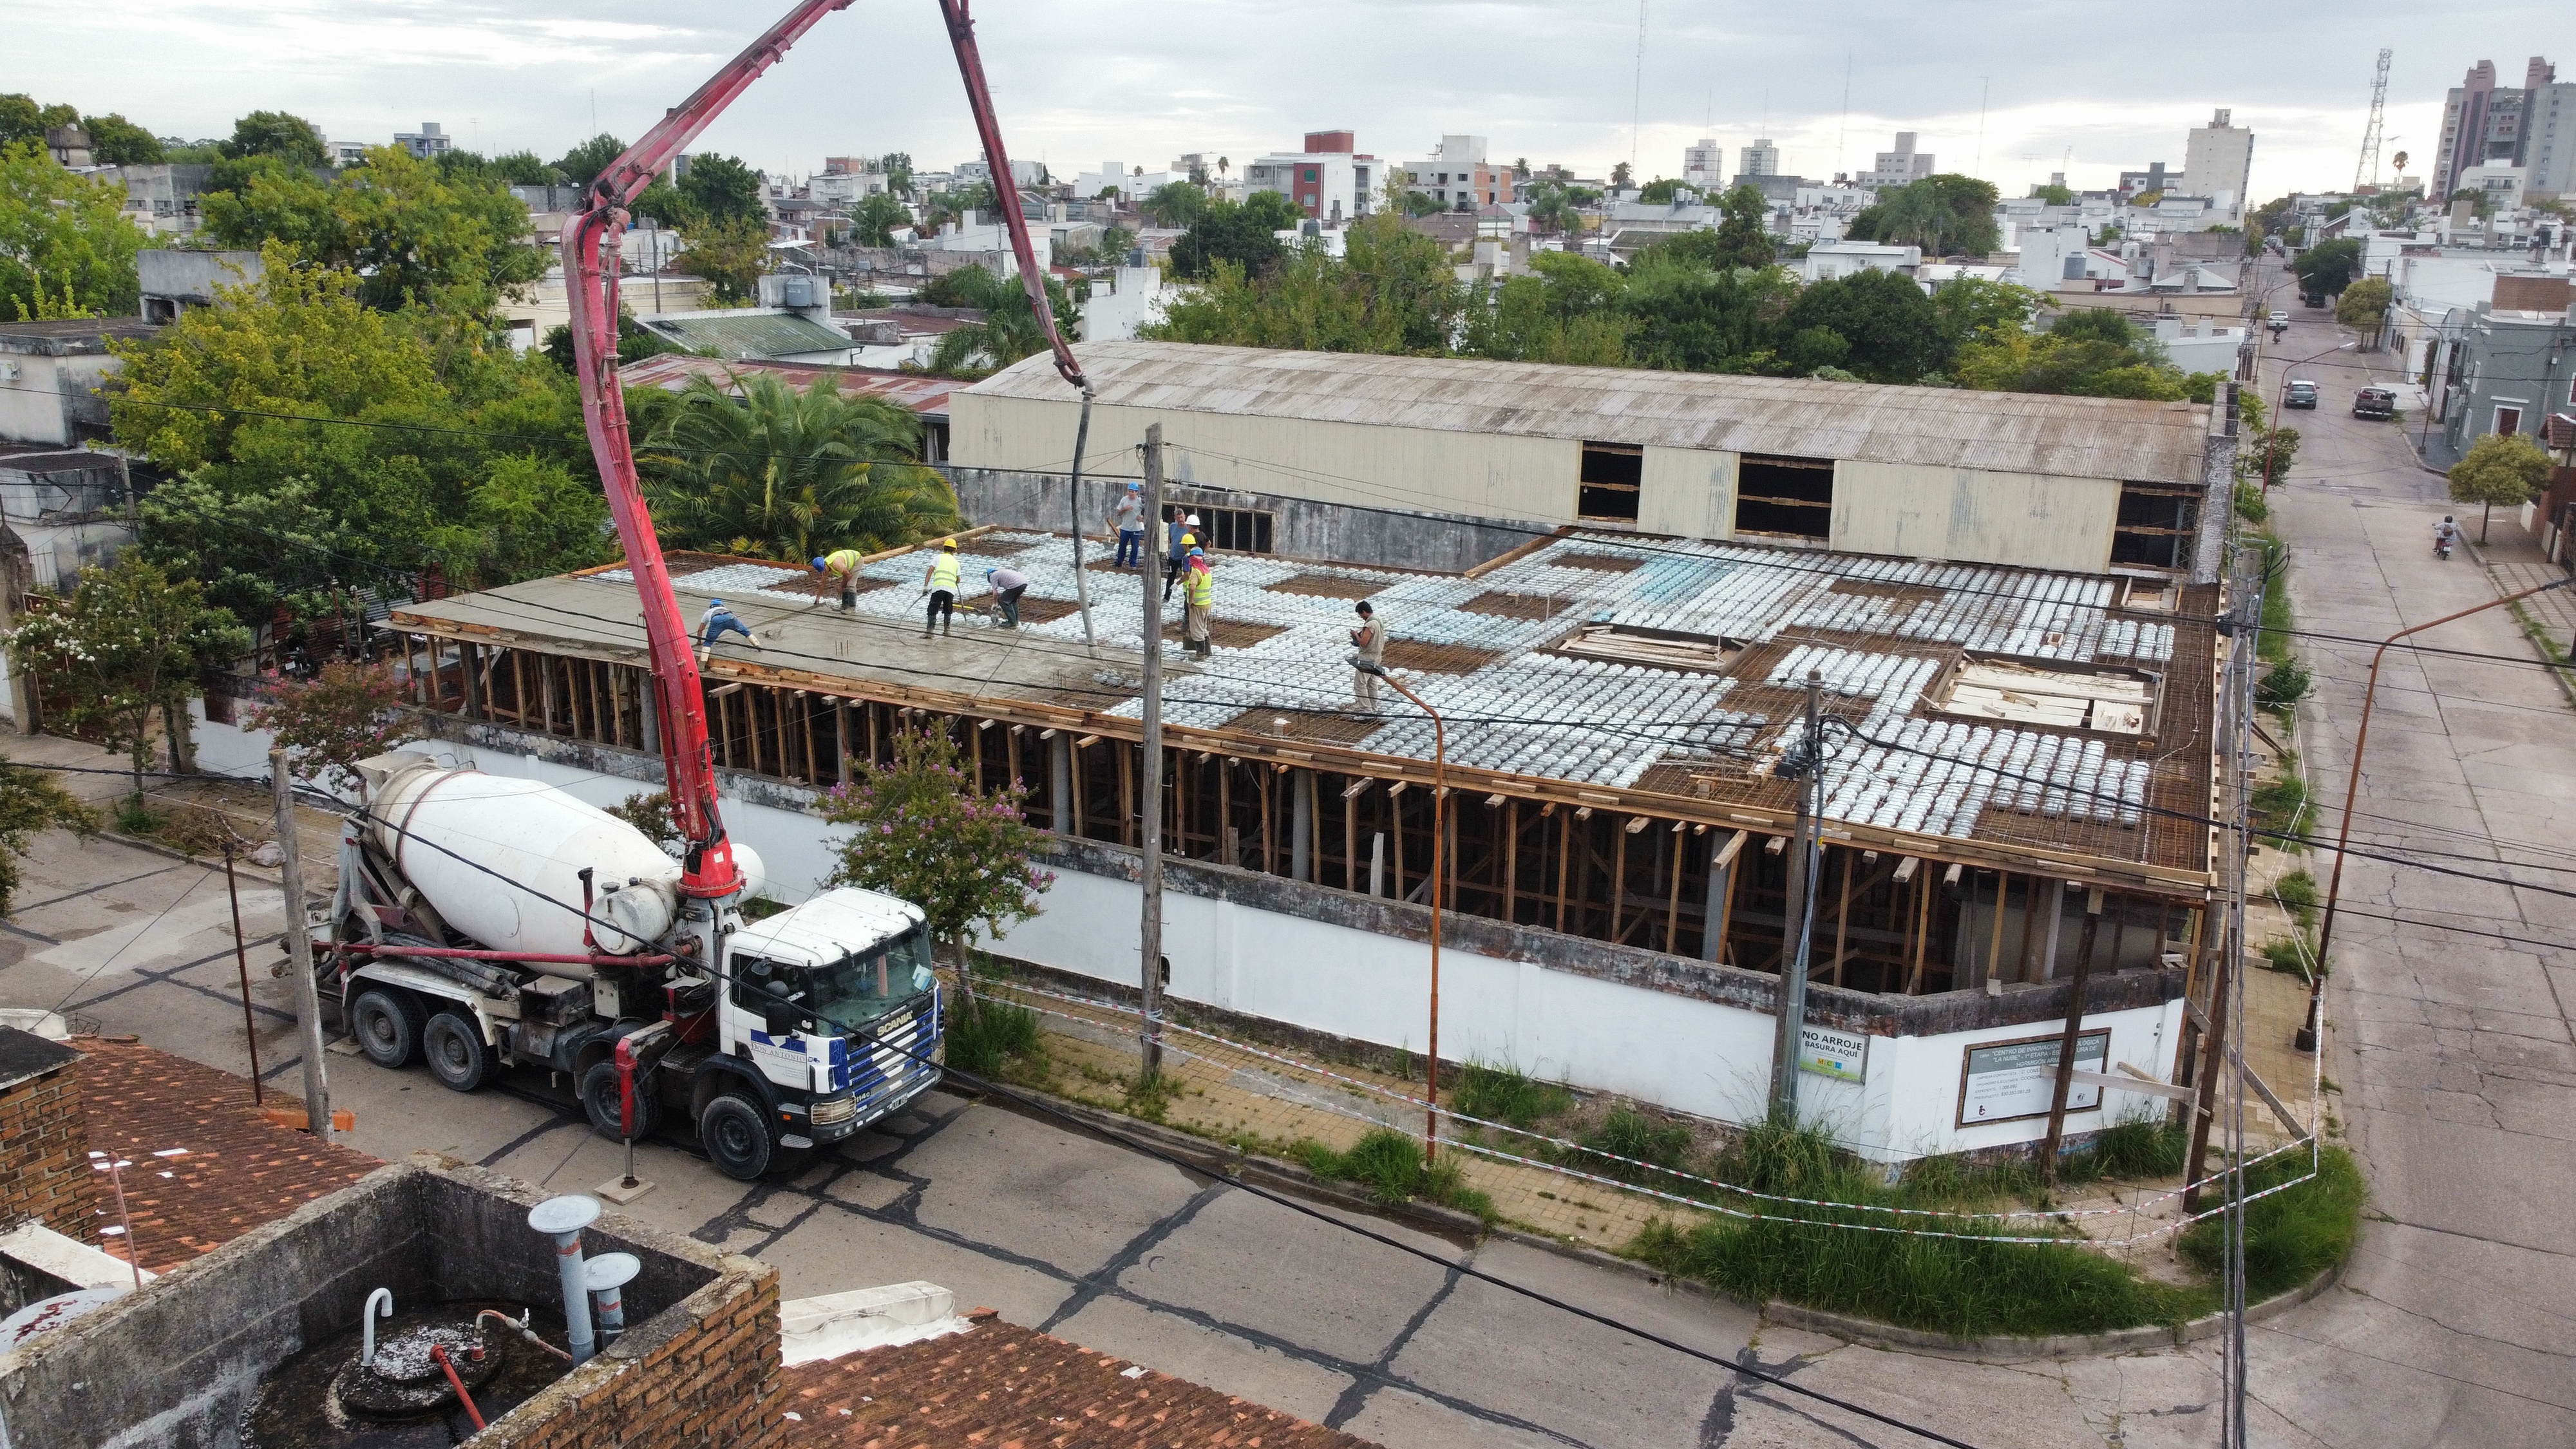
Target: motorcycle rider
[[2445, 534]]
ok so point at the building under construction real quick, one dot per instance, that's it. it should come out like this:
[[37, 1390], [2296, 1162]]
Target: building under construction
[[2011, 741]]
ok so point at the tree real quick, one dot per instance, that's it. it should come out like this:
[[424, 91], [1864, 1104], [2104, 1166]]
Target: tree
[[1621, 176], [878, 218], [1690, 318], [635, 342], [61, 233], [291, 139], [897, 166], [1565, 313], [2324, 270], [1008, 329], [921, 832], [721, 190], [327, 724], [1742, 239], [1893, 332], [1972, 309], [582, 164], [2087, 352], [116, 141], [125, 649], [2499, 469], [1945, 214], [1660, 191], [412, 234], [1393, 290], [21, 119], [1174, 204], [2053, 194], [31, 804], [522, 168], [1244, 234], [2364, 308], [731, 256], [788, 475]]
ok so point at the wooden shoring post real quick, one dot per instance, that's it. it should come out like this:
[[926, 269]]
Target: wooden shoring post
[[1351, 830], [571, 670], [1395, 833], [1445, 848], [1925, 891], [841, 741], [1232, 855], [546, 691], [1512, 861], [2119, 908], [1564, 860], [1619, 882], [1722, 871], [874, 755], [590, 674], [1269, 841], [1011, 753], [2027, 956], [1180, 807], [1673, 909], [1842, 915], [1081, 767], [465, 658], [751, 721], [518, 688], [1127, 795], [1995, 936]]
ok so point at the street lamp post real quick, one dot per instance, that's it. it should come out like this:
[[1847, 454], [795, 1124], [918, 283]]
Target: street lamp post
[[1439, 875], [2306, 1040]]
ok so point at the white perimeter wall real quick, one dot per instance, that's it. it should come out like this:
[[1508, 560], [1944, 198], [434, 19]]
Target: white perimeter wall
[[1700, 1057]]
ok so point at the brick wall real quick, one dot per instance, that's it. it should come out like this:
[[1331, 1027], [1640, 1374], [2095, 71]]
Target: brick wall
[[704, 1375], [44, 1154]]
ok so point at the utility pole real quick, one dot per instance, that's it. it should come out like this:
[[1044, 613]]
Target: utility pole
[[299, 956], [1150, 871], [241, 960], [1797, 927]]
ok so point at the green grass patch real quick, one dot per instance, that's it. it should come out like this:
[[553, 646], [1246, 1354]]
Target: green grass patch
[[2285, 956], [987, 1034], [2284, 807], [1629, 1133], [1506, 1094], [2293, 1235], [1969, 1285], [2297, 893], [1389, 1165]]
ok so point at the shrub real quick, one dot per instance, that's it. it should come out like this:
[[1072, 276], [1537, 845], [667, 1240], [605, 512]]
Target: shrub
[[2283, 685], [2293, 1235], [1389, 1164], [1505, 1094], [2297, 893], [2282, 806], [1629, 1133], [986, 1033], [2251, 505]]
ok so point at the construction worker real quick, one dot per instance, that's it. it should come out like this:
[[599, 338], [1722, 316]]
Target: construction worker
[[1368, 643], [717, 622], [1185, 536], [940, 582], [1007, 585], [1127, 520], [840, 566], [1197, 597]]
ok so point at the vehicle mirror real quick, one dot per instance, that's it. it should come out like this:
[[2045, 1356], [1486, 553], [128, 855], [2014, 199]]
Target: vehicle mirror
[[780, 1018]]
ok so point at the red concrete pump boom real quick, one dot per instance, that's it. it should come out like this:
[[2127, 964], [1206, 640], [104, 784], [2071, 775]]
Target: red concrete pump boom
[[594, 233]]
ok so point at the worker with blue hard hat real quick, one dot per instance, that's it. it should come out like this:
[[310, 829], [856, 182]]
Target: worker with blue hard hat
[[1127, 520], [842, 565], [717, 622]]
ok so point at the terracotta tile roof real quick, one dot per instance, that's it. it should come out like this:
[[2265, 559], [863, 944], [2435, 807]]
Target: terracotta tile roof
[[1000, 1384], [240, 1169]]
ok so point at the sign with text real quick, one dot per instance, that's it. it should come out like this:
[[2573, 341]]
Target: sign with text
[[1840, 1055], [2004, 1080]]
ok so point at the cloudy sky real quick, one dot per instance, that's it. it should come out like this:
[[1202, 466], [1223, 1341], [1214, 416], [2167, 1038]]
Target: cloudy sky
[[2009, 89]]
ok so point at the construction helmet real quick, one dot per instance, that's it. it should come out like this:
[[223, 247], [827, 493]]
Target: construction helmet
[[948, 543], [818, 563]]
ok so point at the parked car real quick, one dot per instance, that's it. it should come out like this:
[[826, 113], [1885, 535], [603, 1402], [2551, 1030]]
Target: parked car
[[2300, 394], [2373, 402]]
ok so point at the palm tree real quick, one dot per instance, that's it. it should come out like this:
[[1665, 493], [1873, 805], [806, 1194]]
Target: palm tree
[[1913, 215], [787, 475]]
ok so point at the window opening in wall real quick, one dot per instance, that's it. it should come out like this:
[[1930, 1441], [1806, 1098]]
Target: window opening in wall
[[1785, 497], [2508, 422], [1235, 530], [2156, 525], [1609, 482]]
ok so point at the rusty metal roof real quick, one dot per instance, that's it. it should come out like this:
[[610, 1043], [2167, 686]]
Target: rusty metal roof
[[2078, 437]]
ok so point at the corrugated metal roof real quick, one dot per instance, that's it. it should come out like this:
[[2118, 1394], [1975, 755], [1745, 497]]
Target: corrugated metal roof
[[1801, 417], [752, 334]]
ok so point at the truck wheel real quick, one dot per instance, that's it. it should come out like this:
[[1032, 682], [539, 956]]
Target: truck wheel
[[387, 1023], [736, 1134], [599, 1101], [457, 1053]]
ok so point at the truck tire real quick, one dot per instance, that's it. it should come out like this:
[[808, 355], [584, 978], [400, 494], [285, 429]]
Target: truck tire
[[457, 1054], [387, 1022], [736, 1135], [599, 1101]]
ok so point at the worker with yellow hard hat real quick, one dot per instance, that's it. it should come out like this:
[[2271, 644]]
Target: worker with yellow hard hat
[[940, 582]]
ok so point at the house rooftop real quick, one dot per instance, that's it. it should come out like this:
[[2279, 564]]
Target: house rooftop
[[2150, 442], [750, 332], [73, 337], [2011, 716]]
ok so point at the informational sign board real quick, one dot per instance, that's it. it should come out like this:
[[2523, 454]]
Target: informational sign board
[[2004, 1080], [1840, 1055]]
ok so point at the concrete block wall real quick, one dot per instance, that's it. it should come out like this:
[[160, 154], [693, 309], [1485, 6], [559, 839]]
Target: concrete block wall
[[44, 1154]]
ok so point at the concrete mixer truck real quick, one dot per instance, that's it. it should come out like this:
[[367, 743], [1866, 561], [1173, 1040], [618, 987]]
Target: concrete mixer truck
[[486, 921], [483, 921]]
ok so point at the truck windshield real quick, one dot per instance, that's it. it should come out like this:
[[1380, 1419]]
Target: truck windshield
[[865, 985]]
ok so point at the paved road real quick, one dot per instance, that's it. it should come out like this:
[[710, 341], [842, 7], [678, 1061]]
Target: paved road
[[2455, 1052]]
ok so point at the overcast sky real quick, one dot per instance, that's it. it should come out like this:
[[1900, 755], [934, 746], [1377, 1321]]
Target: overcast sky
[[2010, 91]]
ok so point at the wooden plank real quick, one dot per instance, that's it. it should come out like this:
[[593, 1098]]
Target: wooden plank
[[1673, 911]]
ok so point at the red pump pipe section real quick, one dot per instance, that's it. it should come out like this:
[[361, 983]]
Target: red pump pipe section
[[708, 869], [438, 1356]]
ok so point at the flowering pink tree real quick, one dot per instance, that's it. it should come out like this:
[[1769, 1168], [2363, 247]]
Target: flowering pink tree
[[328, 723], [922, 832]]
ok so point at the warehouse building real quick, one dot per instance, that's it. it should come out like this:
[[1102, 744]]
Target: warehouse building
[[1337, 449], [2017, 745]]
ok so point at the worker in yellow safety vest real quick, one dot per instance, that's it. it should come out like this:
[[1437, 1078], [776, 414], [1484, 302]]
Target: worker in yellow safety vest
[[1199, 594], [940, 582], [840, 566]]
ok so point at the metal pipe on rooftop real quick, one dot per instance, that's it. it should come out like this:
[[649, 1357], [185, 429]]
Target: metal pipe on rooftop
[[563, 1218]]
